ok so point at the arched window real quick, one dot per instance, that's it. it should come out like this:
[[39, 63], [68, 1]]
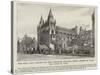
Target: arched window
[[52, 31]]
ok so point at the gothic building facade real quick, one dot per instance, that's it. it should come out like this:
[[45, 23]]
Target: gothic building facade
[[53, 36]]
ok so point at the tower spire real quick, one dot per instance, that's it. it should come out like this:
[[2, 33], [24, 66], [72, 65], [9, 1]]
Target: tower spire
[[41, 21], [50, 14]]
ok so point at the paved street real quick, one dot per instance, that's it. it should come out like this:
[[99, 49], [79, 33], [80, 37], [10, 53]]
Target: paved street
[[32, 57]]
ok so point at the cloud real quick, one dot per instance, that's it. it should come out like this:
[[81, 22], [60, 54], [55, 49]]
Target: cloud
[[28, 16]]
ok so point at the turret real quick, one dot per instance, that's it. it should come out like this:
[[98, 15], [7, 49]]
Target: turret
[[93, 26], [80, 30], [93, 20], [41, 21], [76, 29]]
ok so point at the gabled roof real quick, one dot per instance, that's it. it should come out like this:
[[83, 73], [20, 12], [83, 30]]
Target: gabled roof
[[66, 30]]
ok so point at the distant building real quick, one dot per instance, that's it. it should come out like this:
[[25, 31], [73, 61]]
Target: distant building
[[85, 37], [27, 45]]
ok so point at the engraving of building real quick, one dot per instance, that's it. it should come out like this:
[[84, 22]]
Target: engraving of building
[[54, 39]]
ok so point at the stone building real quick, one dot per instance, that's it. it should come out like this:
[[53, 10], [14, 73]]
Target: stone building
[[64, 37], [53, 36], [85, 37]]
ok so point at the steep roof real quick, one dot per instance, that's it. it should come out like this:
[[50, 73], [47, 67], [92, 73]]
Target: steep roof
[[66, 30]]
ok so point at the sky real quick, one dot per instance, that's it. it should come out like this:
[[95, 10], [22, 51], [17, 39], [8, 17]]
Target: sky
[[28, 17]]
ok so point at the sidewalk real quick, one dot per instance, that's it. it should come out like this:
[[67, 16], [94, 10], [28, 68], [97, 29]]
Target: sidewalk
[[32, 57]]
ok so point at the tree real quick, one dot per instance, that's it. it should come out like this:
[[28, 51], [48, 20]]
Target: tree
[[26, 40]]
